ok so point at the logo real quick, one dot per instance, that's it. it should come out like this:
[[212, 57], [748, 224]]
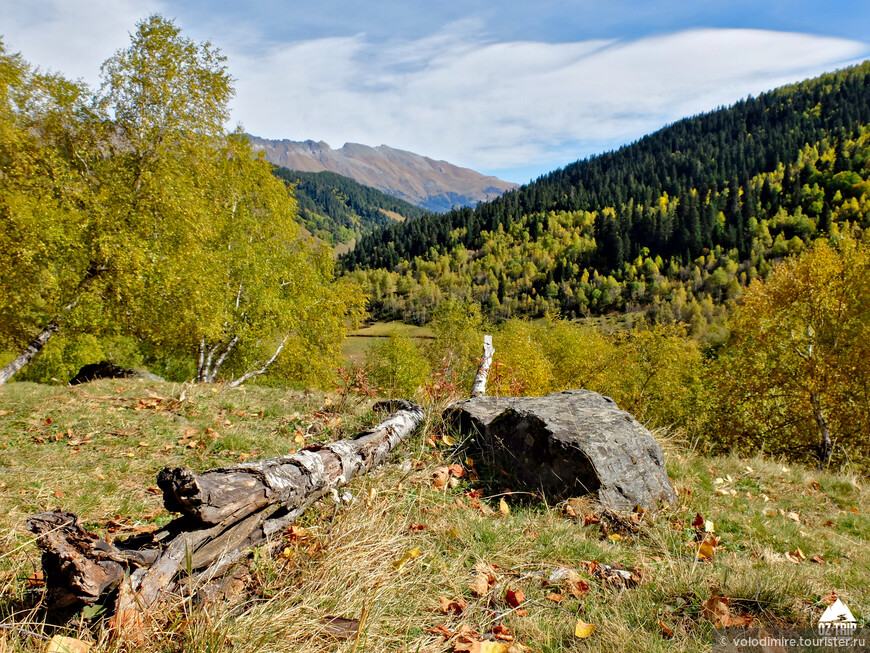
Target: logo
[[837, 620]]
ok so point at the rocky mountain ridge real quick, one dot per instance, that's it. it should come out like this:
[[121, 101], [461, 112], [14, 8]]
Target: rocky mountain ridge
[[434, 185]]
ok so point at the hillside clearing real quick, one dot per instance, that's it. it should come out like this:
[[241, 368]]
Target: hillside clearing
[[401, 544]]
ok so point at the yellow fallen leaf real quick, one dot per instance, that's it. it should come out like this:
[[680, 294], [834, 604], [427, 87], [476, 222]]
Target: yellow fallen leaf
[[61, 644], [488, 647], [615, 537], [707, 550], [448, 441], [503, 507], [410, 555], [299, 438], [583, 630]]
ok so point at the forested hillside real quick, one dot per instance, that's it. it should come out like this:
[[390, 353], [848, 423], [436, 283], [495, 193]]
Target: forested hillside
[[674, 224], [338, 209]]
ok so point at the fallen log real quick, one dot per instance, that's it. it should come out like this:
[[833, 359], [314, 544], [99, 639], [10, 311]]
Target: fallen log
[[224, 512]]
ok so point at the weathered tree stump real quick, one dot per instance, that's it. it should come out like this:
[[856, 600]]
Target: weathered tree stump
[[568, 444], [224, 513]]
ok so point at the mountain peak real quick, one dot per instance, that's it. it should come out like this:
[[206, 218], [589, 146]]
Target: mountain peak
[[434, 185]]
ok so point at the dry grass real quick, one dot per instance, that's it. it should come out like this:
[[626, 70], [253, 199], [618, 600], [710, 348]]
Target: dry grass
[[346, 560]]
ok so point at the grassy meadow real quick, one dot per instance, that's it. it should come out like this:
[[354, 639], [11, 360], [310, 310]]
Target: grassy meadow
[[422, 565]]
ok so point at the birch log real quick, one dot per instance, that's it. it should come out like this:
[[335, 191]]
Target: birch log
[[478, 389], [224, 512]]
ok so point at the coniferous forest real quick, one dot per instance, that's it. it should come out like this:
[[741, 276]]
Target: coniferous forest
[[673, 225]]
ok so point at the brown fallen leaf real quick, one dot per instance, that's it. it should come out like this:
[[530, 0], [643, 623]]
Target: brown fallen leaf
[[515, 598], [830, 598], [555, 598], [456, 470], [61, 644], [819, 560], [455, 606], [340, 627], [794, 517], [481, 584], [667, 632], [440, 477], [716, 610], [503, 633], [503, 507], [58, 494]]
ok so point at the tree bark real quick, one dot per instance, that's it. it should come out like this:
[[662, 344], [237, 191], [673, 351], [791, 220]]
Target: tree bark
[[247, 375], [826, 447], [478, 389], [224, 513], [27, 355]]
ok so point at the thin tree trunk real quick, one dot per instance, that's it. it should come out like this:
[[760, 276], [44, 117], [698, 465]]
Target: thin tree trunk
[[826, 447], [205, 368], [478, 389], [212, 375], [27, 355], [239, 381]]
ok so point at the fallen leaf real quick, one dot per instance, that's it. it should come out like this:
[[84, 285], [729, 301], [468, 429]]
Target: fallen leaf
[[480, 585], [707, 549], [583, 630], [58, 494], [794, 517], [482, 647], [555, 598], [515, 598], [61, 644], [815, 485], [440, 477], [698, 521], [3, 413], [409, 555], [503, 507], [819, 560], [503, 633], [615, 537], [456, 606], [666, 631], [448, 441], [456, 470], [797, 556], [340, 627], [579, 588], [716, 610], [830, 598]]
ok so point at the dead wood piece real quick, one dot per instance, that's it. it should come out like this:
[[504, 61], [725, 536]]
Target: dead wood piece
[[74, 561], [224, 513]]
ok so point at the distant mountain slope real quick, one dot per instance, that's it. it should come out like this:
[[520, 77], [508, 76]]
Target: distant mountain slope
[[670, 228], [338, 209], [709, 152], [434, 185]]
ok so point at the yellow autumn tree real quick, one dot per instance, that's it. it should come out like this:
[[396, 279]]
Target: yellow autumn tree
[[796, 373]]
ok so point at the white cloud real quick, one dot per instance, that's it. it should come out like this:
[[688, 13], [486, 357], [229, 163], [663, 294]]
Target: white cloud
[[456, 94], [73, 37], [498, 105]]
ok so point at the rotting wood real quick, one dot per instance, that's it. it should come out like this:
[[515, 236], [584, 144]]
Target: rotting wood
[[224, 513], [478, 389]]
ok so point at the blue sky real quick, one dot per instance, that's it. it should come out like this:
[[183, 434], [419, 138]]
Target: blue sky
[[509, 88]]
